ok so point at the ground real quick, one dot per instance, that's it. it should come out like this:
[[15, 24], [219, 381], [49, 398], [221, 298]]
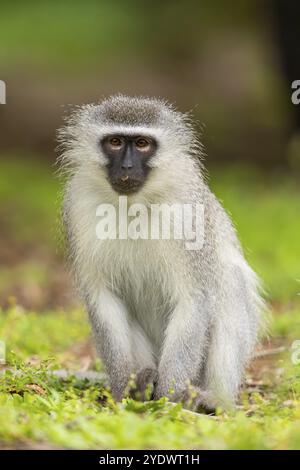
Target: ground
[[45, 329]]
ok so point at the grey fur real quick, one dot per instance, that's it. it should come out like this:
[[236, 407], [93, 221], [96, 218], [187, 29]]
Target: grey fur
[[192, 316]]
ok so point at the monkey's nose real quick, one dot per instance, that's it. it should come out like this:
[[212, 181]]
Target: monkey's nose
[[127, 166], [127, 162]]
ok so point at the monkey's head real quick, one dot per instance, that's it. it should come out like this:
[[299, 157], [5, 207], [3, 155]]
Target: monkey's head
[[136, 143]]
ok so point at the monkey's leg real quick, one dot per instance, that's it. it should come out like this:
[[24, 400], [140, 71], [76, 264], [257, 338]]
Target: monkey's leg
[[232, 341], [225, 364], [183, 350], [232, 337], [109, 319]]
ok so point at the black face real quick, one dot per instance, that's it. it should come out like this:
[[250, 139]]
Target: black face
[[128, 157]]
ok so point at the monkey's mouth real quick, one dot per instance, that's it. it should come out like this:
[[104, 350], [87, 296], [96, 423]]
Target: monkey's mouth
[[126, 184]]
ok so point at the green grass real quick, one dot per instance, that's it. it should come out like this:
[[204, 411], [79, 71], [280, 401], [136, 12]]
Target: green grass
[[39, 409], [43, 335]]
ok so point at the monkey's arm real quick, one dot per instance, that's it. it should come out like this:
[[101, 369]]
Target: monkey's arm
[[109, 320], [184, 349], [209, 342]]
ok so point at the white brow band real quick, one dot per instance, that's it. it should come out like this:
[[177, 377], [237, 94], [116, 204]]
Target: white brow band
[[131, 130]]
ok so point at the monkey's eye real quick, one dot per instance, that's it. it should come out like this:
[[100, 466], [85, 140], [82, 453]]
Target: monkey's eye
[[142, 143], [115, 142]]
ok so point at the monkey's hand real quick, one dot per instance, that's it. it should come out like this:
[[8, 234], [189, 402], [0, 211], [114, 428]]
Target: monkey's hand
[[195, 399], [144, 384]]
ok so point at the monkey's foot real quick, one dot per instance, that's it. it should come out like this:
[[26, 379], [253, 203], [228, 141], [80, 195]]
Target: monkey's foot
[[145, 383], [195, 399]]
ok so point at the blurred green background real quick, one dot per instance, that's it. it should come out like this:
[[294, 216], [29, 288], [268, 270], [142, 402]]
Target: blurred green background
[[221, 63], [231, 64], [226, 65]]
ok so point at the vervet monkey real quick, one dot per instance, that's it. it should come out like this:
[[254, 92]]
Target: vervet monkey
[[178, 319]]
